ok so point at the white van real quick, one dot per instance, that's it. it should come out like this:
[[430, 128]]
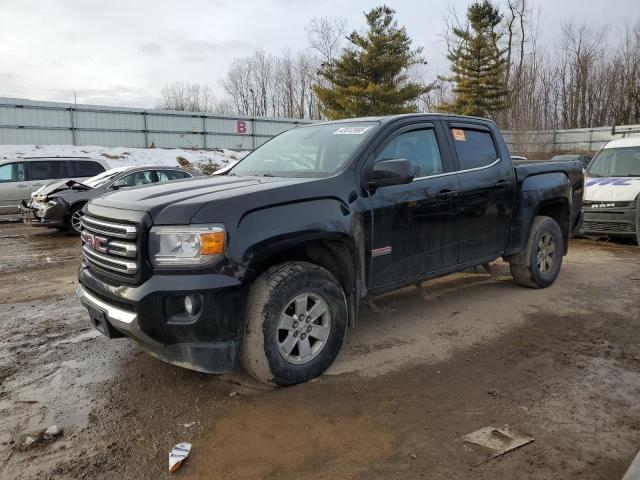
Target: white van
[[20, 177], [612, 194]]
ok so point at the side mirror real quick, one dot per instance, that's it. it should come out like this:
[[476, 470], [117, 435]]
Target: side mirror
[[391, 172], [119, 184]]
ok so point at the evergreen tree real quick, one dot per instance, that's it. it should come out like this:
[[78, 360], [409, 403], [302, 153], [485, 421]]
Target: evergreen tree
[[478, 64], [371, 76]]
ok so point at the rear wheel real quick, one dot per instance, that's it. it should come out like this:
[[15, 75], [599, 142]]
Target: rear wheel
[[542, 256], [295, 323], [74, 219]]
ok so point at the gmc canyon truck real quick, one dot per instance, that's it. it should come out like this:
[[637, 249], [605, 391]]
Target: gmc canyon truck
[[266, 265]]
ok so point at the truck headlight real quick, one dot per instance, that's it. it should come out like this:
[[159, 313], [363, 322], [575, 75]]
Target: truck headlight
[[173, 246]]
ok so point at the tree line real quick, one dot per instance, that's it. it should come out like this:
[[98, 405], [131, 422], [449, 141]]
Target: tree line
[[498, 69]]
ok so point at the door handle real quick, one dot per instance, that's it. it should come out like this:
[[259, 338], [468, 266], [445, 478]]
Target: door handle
[[444, 194], [502, 184], [23, 185]]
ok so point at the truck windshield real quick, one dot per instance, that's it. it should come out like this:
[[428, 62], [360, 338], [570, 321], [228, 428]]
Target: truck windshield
[[616, 162], [312, 151]]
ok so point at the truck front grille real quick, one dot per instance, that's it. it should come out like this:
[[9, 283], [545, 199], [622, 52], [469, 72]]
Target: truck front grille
[[110, 246], [620, 227]]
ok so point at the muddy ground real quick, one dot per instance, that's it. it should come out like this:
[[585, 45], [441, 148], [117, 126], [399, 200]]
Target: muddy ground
[[423, 368]]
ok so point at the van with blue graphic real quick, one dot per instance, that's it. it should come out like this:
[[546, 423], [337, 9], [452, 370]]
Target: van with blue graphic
[[611, 201]]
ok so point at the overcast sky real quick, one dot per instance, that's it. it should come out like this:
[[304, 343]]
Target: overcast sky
[[121, 52]]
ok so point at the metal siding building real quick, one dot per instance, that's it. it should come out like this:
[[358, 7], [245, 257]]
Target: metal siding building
[[33, 122]]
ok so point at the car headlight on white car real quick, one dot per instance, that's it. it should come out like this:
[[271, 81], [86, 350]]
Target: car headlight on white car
[[175, 246]]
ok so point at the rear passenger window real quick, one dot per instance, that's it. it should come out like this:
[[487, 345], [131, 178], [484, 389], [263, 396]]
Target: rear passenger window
[[48, 170], [83, 168], [475, 148], [420, 147]]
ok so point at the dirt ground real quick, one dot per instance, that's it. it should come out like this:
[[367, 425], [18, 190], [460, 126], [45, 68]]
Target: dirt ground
[[423, 368]]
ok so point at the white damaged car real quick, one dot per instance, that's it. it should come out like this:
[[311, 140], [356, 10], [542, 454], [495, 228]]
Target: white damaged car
[[611, 201]]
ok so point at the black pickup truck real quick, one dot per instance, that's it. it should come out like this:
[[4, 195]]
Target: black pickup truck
[[267, 263]]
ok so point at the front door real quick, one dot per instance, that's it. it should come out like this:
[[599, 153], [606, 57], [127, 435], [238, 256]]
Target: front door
[[14, 187], [414, 225]]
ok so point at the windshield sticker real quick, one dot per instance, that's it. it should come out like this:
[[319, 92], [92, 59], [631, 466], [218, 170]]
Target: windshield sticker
[[458, 135], [351, 130]]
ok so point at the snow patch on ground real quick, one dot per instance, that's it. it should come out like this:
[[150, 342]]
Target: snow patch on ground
[[206, 161]]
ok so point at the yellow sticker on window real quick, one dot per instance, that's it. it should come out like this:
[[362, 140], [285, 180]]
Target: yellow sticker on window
[[458, 134]]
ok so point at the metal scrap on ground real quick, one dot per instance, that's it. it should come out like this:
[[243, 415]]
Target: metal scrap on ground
[[498, 440], [178, 455]]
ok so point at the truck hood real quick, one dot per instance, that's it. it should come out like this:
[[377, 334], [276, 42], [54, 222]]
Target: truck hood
[[177, 201], [613, 189]]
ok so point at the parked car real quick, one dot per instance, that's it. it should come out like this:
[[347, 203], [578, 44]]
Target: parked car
[[20, 177], [611, 203], [267, 265], [583, 159], [60, 204]]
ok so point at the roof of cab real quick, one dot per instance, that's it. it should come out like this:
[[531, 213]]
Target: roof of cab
[[623, 142], [389, 118]]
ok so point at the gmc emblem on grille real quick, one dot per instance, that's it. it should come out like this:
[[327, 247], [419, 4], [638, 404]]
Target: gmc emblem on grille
[[95, 242]]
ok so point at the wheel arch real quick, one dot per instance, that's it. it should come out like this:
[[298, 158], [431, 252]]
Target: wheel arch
[[336, 253]]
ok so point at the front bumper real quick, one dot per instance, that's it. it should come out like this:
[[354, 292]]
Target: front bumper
[[208, 344], [39, 216], [610, 221]]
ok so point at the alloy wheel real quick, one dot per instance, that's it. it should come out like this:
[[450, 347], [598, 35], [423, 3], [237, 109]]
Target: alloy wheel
[[303, 328]]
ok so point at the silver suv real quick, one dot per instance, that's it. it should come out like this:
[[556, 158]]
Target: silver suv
[[20, 177]]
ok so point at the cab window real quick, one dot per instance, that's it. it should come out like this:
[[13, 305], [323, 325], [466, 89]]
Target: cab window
[[420, 147], [475, 148], [12, 172]]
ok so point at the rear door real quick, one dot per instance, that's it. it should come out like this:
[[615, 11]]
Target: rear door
[[14, 186], [415, 225], [487, 190]]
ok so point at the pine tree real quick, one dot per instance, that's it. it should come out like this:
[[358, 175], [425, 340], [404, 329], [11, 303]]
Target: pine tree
[[371, 76], [478, 64]]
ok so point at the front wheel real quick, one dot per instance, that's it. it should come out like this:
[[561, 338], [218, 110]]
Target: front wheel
[[542, 255], [296, 320], [74, 220]]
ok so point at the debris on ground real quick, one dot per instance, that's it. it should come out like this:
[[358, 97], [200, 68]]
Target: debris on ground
[[177, 455], [498, 440], [40, 438], [188, 425], [233, 394]]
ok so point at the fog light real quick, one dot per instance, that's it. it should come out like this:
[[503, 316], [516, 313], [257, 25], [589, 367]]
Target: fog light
[[192, 304]]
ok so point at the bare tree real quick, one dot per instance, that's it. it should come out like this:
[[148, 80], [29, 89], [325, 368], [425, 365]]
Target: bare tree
[[190, 97], [326, 36]]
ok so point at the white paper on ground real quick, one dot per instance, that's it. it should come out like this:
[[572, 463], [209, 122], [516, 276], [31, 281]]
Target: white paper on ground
[[177, 455]]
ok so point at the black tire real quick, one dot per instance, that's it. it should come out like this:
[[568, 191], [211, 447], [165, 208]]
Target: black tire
[[270, 296], [533, 273], [71, 219]]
